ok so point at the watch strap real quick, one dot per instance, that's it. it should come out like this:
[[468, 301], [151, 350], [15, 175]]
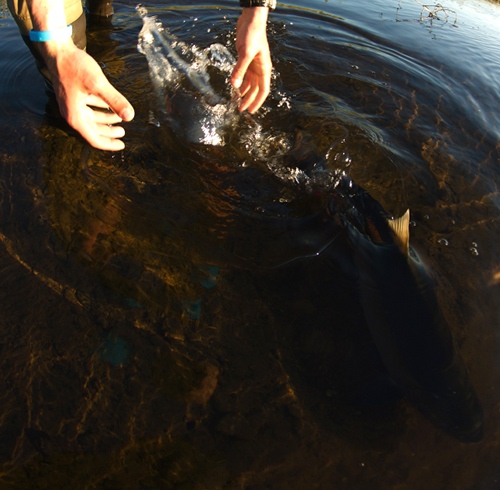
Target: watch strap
[[271, 4]]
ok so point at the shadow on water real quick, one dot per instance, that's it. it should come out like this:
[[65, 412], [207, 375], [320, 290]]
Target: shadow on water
[[166, 322]]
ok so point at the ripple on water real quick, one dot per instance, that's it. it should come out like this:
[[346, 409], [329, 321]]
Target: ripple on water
[[22, 85]]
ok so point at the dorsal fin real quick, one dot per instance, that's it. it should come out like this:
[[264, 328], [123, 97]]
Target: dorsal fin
[[400, 228]]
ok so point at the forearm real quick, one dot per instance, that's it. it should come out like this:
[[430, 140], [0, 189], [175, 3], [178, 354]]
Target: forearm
[[255, 12], [47, 15], [79, 84], [255, 16]]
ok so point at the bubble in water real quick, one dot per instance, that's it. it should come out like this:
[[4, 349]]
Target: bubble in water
[[474, 251], [443, 241]]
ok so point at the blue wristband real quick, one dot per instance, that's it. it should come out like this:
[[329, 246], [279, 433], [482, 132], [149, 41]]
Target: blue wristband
[[56, 35]]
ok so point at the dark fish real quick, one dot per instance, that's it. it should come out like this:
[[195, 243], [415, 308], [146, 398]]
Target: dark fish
[[401, 309], [406, 323]]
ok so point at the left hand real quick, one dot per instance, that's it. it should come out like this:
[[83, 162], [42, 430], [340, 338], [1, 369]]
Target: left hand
[[79, 85], [252, 72]]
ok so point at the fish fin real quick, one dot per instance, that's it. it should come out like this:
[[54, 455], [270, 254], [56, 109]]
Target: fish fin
[[400, 228]]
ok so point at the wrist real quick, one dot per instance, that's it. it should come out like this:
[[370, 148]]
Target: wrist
[[55, 53], [255, 15], [61, 34]]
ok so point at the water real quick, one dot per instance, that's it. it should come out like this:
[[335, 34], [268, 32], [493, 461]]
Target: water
[[142, 348], [196, 111]]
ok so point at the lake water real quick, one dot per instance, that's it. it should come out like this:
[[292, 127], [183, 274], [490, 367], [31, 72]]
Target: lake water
[[161, 328]]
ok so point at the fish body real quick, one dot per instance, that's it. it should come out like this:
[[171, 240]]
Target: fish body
[[397, 294], [405, 320]]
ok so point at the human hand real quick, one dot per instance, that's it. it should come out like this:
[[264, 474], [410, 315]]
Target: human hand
[[88, 102], [252, 72]]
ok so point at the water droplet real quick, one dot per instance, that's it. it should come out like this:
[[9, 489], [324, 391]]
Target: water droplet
[[443, 241], [474, 251], [413, 223], [474, 244]]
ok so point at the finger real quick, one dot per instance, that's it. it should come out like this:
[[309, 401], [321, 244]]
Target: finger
[[94, 101], [245, 87], [101, 136], [107, 142], [263, 87], [116, 101], [102, 142], [250, 95], [259, 99], [239, 71], [110, 131], [106, 117]]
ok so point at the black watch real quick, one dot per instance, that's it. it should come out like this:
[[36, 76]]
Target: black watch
[[271, 4]]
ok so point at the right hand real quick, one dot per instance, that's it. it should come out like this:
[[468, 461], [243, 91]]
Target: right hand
[[252, 72], [80, 85]]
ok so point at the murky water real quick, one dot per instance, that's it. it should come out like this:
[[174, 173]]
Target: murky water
[[164, 326]]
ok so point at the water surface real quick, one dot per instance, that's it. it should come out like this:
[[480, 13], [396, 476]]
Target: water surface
[[159, 330]]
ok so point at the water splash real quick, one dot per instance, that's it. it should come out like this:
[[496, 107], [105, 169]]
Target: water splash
[[183, 77], [197, 101]]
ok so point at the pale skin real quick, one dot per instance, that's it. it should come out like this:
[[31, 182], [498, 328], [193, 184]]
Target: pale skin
[[80, 85], [252, 72]]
